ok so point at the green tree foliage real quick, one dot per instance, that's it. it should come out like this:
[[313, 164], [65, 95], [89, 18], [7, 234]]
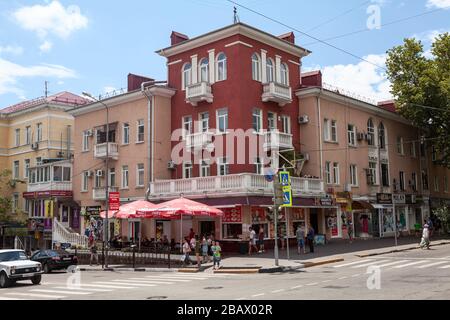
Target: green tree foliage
[[420, 79], [5, 201]]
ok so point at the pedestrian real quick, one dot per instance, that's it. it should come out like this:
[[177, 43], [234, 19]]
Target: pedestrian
[[210, 243], [198, 250], [350, 232], [425, 242], [398, 228], [252, 241], [216, 254], [301, 239], [310, 237], [205, 250], [261, 240], [94, 254], [430, 226], [192, 243], [191, 234], [186, 251]]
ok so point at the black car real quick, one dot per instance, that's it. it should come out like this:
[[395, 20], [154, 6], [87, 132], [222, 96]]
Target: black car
[[54, 259]]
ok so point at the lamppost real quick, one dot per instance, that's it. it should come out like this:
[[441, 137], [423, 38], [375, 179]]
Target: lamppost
[[106, 225]]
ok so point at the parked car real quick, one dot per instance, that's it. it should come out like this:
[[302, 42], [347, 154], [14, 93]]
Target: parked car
[[54, 259], [16, 266]]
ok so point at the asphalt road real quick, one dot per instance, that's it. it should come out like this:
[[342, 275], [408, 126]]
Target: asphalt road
[[417, 274]]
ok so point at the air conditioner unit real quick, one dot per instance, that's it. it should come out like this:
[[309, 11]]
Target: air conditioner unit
[[171, 165], [99, 173], [35, 146], [305, 156], [347, 187], [303, 119], [60, 154]]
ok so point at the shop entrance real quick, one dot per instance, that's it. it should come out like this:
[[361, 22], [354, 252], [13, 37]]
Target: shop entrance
[[376, 223], [314, 219], [207, 227]]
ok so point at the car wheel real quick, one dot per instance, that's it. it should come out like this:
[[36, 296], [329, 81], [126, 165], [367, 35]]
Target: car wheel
[[4, 280], [36, 279], [47, 268]]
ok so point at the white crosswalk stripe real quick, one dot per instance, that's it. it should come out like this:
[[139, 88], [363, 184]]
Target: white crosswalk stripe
[[108, 286], [145, 280], [35, 295], [69, 292], [445, 267], [351, 263], [7, 298], [411, 264], [369, 264], [167, 278], [431, 264], [84, 289], [126, 283], [393, 263]]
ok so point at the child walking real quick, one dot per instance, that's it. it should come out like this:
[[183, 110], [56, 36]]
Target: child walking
[[216, 254]]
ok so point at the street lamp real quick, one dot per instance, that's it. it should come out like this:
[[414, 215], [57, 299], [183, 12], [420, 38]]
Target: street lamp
[[106, 226]]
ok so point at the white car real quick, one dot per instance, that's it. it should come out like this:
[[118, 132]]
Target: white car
[[15, 266]]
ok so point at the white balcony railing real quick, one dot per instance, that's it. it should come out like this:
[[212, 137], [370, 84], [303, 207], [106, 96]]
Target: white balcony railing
[[278, 140], [100, 150], [47, 186], [199, 140], [277, 92], [62, 235], [99, 194], [248, 183], [199, 92]]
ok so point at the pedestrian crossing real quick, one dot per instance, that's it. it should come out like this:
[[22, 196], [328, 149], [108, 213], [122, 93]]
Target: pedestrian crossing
[[438, 263], [51, 291]]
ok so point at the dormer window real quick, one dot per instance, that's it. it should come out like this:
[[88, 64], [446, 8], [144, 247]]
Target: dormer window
[[187, 75], [204, 70], [270, 70], [221, 67]]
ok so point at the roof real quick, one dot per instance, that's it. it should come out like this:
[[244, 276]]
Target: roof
[[65, 98]]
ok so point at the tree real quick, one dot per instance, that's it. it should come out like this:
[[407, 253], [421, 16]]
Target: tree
[[419, 81], [443, 213], [6, 203]]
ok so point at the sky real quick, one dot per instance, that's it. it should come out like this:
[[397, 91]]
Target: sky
[[91, 46]]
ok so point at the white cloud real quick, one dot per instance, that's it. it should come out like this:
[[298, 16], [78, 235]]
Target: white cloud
[[51, 18], [46, 46], [15, 50], [10, 73], [438, 4]]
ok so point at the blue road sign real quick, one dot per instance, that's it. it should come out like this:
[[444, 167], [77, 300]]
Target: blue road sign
[[285, 179]]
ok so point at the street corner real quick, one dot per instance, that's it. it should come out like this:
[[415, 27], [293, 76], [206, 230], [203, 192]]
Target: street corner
[[310, 264], [238, 270]]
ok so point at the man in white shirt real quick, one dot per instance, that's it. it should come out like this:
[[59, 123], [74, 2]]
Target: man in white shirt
[[252, 241]]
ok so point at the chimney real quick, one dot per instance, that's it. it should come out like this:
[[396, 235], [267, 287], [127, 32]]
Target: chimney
[[177, 37], [135, 81], [312, 79], [289, 37], [388, 105]]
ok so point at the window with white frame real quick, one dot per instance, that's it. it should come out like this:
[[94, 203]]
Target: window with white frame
[[26, 173], [27, 135], [257, 120], [39, 132], [271, 121], [382, 136], [112, 177], [413, 149], [436, 183], [256, 67], [15, 202], [38, 161], [370, 133], [187, 170], [204, 122], [284, 74], [140, 175], [222, 120], [204, 70], [126, 133], [258, 165], [85, 143], [186, 76], [205, 168], [16, 166], [336, 176], [221, 66], [400, 149], [125, 177], [328, 172], [326, 130], [401, 176], [353, 175], [17, 138], [330, 130], [84, 181], [446, 184], [286, 124], [187, 125], [223, 167], [140, 131], [334, 131], [351, 135], [97, 180], [372, 174], [270, 70]]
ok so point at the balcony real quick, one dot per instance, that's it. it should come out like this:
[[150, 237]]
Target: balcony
[[100, 150], [238, 184], [278, 140], [198, 92], [99, 194], [277, 92], [199, 141], [50, 186]]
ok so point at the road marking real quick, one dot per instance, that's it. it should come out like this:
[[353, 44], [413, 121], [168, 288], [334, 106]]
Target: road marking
[[325, 281], [167, 278], [311, 284], [351, 263], [342, 278], [445, 267], [108, 286], [126, 283], [431, 264], [392, 263], [81, 288], [296, 287], [241, 299], [6, 298], [356, 275], [258, 295], [146, 280], [60, 291], [178, 278], [277, 291], [369, 264], [35, 295], [410, 264]]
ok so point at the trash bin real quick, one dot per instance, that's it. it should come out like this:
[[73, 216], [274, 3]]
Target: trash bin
[[243, 247]]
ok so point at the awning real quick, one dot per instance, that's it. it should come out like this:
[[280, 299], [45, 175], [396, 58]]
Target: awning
[[362, 205], [381, 206]]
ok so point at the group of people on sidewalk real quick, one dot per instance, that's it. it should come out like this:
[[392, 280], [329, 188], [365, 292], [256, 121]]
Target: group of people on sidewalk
[[305, 237], [204, 247]]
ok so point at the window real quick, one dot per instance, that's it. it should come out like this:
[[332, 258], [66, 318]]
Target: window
[[15, 202], [39, 132], [330, 130], [284, 74], [258, 166], [370, 133], [125, 177], [85, 144], [413, 149], [223, 166], [112, 177], [205, 168], [286, 124], [84, 181], [336, 177], [402, 180], [385, 174], [187, 170], [257, 120], [38, 161], [424, 180], [204, 70], [269, 70], [328, 172], [333, 130], [98, 180], [17, 138], [187, 76], [26, 173], [231, 230], [256, 67], [414, 181], [57, 174], [187, 125], [436, 184], [222, 120], [400, 145], [326, 129], [27, 206], [140, 175], [204, 122], [353, 175], [221, 67], [140, 131], [126, 133], [382, 136], [351, 133], [372, 174], [445, 184], [433, 153], [16, 170], [28, 135], [271, 121]]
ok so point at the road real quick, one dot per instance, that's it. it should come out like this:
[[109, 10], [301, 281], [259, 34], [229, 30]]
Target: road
[[417, 274]]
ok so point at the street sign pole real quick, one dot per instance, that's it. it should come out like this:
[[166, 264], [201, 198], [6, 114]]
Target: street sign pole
[[395, 222], [287, 233], [275, 215]]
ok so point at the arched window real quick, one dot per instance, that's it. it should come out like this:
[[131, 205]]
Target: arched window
[[256, 67], [221, 67], [382, 136], [284, 74], [187, 75], [204, 70], [370, 132], [269, 70]]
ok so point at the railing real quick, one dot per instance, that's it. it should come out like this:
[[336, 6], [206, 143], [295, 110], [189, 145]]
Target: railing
[[349, 94], [199, 92], [276, 139], [277, 92], [45, 186], [199, 140], [246, 182], [100, 193], [100, 150], [62, 235]]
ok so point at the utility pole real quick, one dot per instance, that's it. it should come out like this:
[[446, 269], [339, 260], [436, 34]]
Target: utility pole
[[277, 195]]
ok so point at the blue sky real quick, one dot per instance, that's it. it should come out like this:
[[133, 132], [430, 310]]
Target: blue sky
[[91, 46]]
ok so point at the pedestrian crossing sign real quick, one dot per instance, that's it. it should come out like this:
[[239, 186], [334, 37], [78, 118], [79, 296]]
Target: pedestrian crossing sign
[[287, 196], [285, 178]]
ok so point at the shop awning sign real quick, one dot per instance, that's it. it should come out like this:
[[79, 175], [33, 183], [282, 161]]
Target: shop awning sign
[[384, 198], [114, 201], [399, 198]]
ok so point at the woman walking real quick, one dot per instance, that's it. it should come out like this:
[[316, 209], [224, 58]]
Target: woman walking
[[425, 243], [205, 250], [186, 252]]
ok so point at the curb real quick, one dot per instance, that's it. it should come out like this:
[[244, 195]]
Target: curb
[[399, 250], [238, 271], [322, 262], [281, 269], [130, 269]]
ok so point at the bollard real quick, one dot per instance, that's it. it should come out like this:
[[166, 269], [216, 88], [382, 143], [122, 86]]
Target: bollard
[[134, 256]]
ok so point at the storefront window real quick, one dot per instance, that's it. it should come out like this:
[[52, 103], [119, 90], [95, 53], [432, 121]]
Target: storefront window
[[388, 221], [231, 230], [259, 220], [232, 223]]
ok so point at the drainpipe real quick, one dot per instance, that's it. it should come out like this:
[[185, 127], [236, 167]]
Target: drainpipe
[[320, 135]]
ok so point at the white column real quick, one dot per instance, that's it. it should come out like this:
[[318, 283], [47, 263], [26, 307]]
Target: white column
[[278, 69], [263, 66], [212, 66], [194, 63]]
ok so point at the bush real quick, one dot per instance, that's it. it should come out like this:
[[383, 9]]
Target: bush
[[443, 214]]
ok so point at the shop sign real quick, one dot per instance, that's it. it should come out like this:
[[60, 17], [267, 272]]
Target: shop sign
[[398, 198], [232, 214], [326, 202], [258, 215], [384, 198], [298, 214], [114, 201]]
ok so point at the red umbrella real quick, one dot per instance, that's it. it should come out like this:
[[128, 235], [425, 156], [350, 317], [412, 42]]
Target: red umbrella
[[128, 210], [176, 208]]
